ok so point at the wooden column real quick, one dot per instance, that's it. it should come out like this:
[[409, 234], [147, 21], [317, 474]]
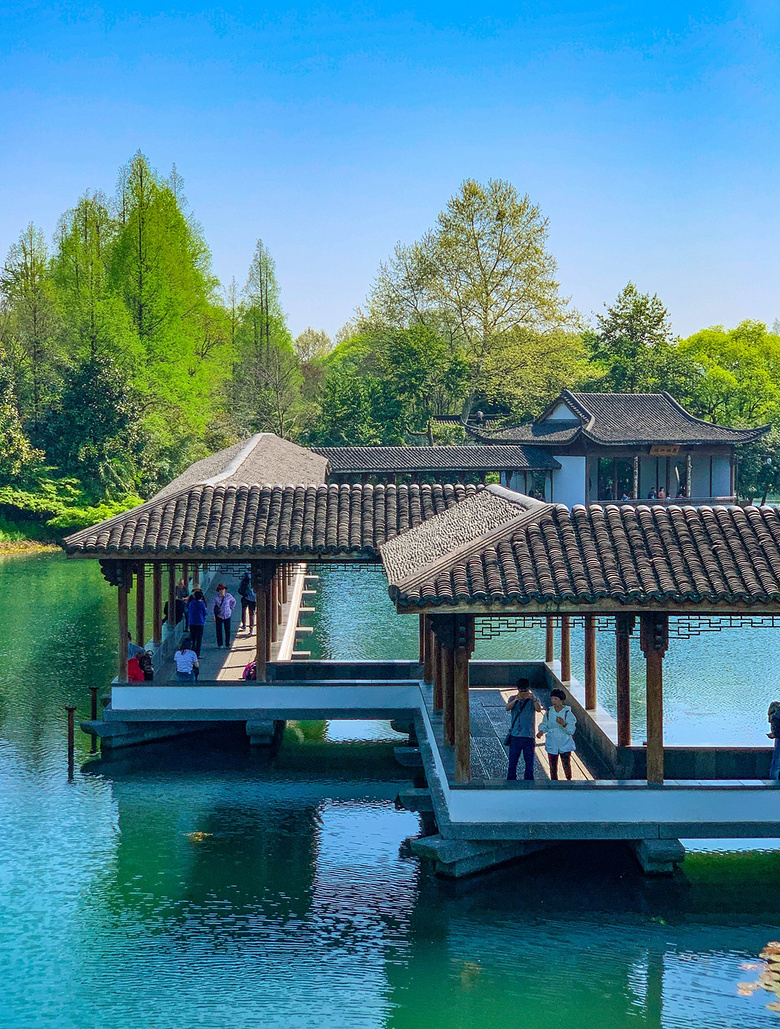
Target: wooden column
[[438, 664], [270, 615], [464, 647], [273, 621], [172, 620], [549, 639], [196, 575], [624, 626], [654, 639], [122, 592], [422, 629], [260, 583], [565, 649], [429, 644], [636, 477], [140, 610], [185, 574], [590, 662], [448, 678], [285, 581], [157, 603], [689, 475]]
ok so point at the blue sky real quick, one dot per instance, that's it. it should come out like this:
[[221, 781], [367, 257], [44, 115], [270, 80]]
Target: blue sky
[[646, 132]]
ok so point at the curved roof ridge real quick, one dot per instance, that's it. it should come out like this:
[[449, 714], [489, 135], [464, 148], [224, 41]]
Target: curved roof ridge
[[702, 421]]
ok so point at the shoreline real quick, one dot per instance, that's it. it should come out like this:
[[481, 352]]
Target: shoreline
[[10, 548]]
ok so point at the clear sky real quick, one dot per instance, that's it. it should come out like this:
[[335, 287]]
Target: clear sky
[[647, 133]]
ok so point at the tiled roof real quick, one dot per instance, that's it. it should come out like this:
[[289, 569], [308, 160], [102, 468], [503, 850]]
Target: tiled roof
[[310, 521], [630, 555], [628, 419], [436, 459], [263, 458]]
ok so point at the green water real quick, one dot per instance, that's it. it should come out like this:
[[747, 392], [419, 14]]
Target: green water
[[193, 884]]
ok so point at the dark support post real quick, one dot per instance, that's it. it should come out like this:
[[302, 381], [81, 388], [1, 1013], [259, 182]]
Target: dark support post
[[274, 611], [70, 708], [464, 647], [654, 639], [122, 592], [565, 649], [185, 574], [590, 662], [549, 639], [285, 581], [422, 628], [448, 679], [140, 598], [260, 583], [624, 626], [156, 603], [429, 645], [172, 620], [438, 664]]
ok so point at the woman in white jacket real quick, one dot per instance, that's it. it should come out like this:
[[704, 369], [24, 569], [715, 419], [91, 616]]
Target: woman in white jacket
[[557, 726]]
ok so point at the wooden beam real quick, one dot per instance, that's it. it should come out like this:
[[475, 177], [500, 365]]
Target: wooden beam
[[157, 603], [654, 638], [172, 620], [624, 626], [549, 639], [140, 610], [565, 649], [429, 645], [590, 662], [122, 593], [464, 646]]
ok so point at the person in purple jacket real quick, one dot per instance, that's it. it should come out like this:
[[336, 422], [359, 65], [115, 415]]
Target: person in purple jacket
[[197, 613], [223, 609]]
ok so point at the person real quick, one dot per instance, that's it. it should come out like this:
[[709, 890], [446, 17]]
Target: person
[[134, 670], [133, 650], [523, 707], [681, 494], [625, 497], [248, 602], [653, 494], [197, 613], [146, 666], [662, 494], [186, 661], [223, 609], [558, 727], [250, 671], [773, 714]]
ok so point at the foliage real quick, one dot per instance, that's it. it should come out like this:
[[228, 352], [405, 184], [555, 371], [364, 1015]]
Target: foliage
[[758, 470], [481, 273], [633, 345]]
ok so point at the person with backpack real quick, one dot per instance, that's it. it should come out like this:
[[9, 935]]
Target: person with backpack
[[248, 602], [558, 727], [523, 708], [197, 613]]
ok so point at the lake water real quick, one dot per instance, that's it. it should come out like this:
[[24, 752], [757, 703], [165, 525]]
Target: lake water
[[195, 884]]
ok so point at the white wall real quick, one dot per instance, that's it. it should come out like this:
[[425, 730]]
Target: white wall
[[561, 412], [569, 482], [721, 477]]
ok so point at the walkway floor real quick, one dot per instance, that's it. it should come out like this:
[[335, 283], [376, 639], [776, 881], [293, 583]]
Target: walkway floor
[[489, 726]]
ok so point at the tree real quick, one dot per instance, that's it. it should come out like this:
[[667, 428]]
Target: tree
[[27, 298], [482, 272], [634, 345], [18, 458], [312, 345]]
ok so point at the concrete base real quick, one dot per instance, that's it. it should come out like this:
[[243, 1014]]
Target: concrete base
[[455, 859], [263, 732], [408, 757], [659, 857], [115, 735], [413, 799]]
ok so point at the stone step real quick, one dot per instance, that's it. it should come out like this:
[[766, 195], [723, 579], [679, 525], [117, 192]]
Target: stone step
[[408, 757], [414, 799]]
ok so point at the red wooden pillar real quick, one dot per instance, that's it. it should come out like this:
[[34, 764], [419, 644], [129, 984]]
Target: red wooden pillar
[[273, 621], [590, 662], [448, 679], [549, 639], [464, 647], [157, 603], [654, 640], [565, 649], [140, 601], [624, 626]]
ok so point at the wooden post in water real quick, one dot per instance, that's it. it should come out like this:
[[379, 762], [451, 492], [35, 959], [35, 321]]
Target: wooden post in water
[[464, 647], [590, 662], [549, 639], [565, 649], [122, 591], [654, 640], [172, 619], [448, 679], [157, 603], [624, 626], [140, 600]]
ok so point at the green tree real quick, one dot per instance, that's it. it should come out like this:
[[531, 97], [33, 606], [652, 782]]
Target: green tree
[[633, 346], [31, 325], [18, 458], [482, 272]]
